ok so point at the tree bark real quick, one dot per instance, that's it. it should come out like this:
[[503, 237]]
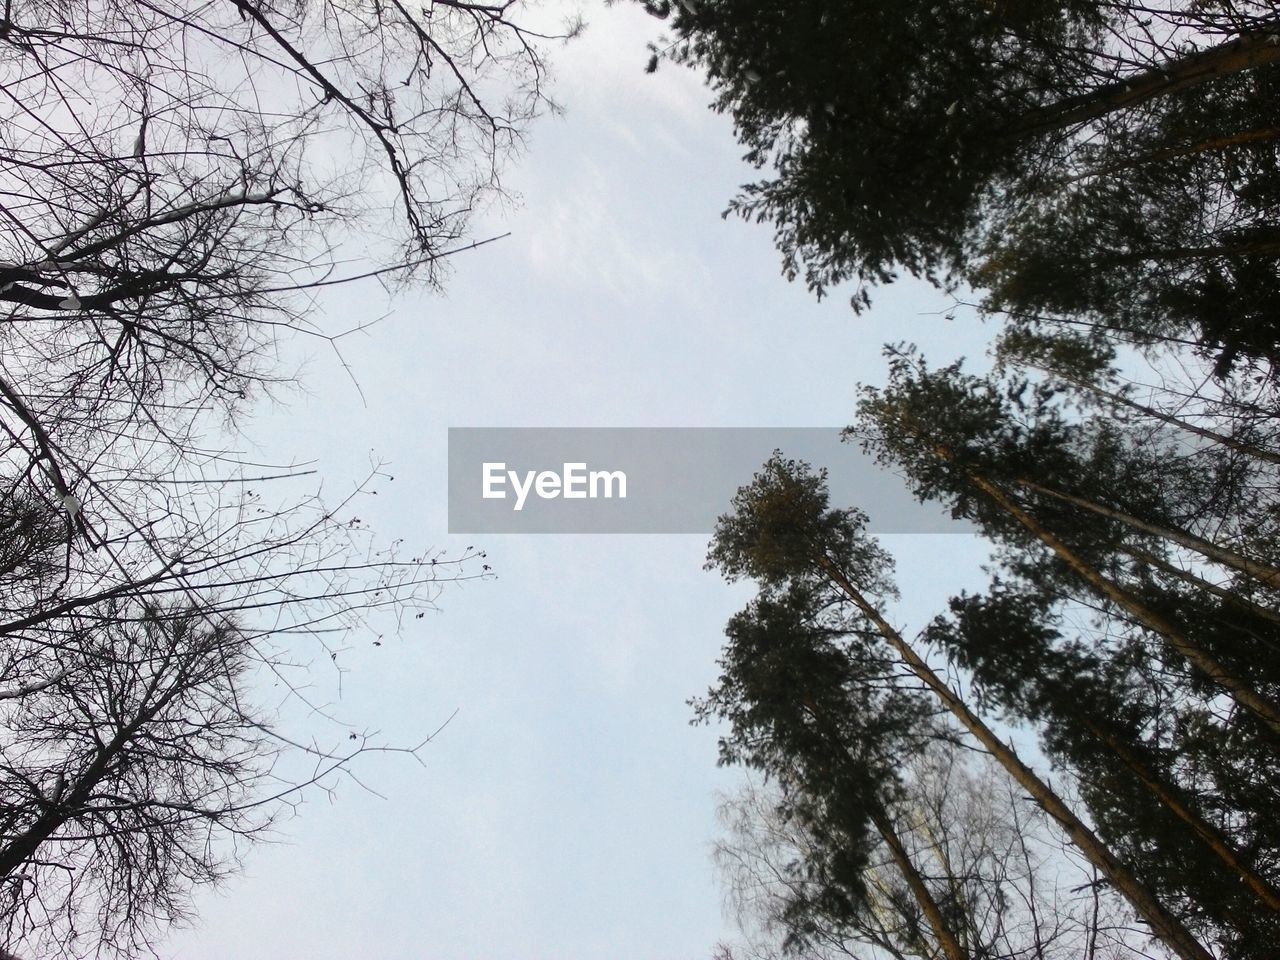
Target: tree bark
[[919, 889], [1260, 706], [1206, 145], [1213, 839], [1200, 583], [1263, 572], [1120, 399], [1164, 925], [1242, 53]]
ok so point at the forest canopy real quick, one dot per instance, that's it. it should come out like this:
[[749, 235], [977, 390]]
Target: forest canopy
[[1102, 180]]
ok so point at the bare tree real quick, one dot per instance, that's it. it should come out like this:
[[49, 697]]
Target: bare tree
[[1005, 885], [138, 752], [178, 180], [179, 183], [136, 761]]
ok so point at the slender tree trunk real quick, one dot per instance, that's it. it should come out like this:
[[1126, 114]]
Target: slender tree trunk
[[1233, 56], [1187, 150], [884, 826], [1200, 583], [1263, 572], [1267, 248], [919, 889], [1263, 708], [1169, 796], [1120, 399], [1164, 925]]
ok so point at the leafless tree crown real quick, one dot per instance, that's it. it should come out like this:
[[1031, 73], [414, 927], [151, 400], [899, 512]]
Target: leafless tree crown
[[179, 183]]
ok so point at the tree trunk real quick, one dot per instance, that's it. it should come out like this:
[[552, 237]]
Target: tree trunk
[[884, 826], [1263, 572], [1242, 53], [1167, 795], [1187, 150], [1120, 399], [950, 945], [1250, 248], [1164, 925], [1200, 583], [1263, 708]]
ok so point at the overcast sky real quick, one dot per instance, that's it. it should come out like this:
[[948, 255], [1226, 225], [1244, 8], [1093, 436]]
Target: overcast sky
[[568, 809]]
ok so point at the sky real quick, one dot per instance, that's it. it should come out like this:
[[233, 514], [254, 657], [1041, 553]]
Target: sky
[[567, 809]]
